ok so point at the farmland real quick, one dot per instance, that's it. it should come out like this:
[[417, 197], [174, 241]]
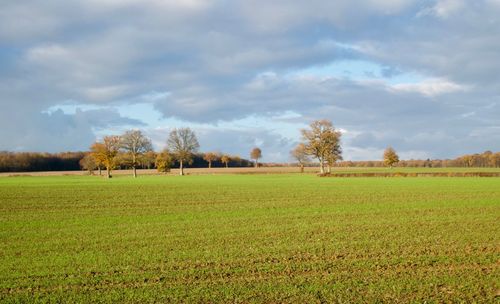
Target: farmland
[[266, 170], [249, 238]]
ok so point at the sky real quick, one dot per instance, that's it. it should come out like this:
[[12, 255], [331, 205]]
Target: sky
[[420, 76]]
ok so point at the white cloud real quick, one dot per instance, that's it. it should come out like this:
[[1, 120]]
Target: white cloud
[[429, 87], [446, 8]]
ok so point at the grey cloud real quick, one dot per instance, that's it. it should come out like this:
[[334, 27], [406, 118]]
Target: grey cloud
[[56, 131], [104, 118], [45, 132], [225, 60]]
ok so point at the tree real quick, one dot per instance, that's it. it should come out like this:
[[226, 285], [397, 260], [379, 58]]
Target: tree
[[225, 159], [390, 157], [148, 159], [210, 157], [98, 163], [105, 152], [334, 156], [468, 160], [88, 163], [236, 160], [183, 143], [299, 153], [135, 144], [494, 160], [322, 141], [256, 153], [164, 161]]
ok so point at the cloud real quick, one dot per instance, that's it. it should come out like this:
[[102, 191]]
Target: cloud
[[57, 131], [400, 72], [430, 87], [444, 8]]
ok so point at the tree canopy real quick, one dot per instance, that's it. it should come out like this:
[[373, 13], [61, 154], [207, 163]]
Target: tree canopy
[[183, 143], [210, 157], [135, 144], [255, 154], [299, 153], [105, 152], [322, 141], [390, 157]]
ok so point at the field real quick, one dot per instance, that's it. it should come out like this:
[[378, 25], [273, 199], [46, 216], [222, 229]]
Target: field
[[249, 238], [263, 170]]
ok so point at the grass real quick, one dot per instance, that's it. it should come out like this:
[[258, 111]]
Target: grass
[[413, 169], [249, 238]]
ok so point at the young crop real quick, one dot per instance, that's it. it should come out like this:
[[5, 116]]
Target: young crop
[[249, 238]]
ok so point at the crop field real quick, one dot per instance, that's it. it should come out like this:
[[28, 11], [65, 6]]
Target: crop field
[[249, 238]]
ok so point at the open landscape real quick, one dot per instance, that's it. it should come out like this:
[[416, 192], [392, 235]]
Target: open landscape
[[250, 151], [249, 238]]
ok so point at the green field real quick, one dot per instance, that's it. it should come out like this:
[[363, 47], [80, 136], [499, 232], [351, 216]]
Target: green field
[[413, 169], [249, 238]]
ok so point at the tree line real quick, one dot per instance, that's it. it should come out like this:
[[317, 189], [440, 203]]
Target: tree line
[[72, 161], [34, 161], [477, 160], [133, 148], [320, 142]]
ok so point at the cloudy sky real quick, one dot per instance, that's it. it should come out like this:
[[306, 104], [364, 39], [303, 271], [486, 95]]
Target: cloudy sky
[[421, 76]]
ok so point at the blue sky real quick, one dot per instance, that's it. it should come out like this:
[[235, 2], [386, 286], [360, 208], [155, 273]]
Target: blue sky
[[421, 76]]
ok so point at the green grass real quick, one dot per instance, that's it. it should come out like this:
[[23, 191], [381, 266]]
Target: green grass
[[249, 238], [411, 169]]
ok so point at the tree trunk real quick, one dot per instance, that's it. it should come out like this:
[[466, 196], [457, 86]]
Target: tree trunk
[[100, 171], [133, 165], [209, 165], [181, 168], [226, 165], [256, 163], [321, 166], [108, 172], [301, 168]]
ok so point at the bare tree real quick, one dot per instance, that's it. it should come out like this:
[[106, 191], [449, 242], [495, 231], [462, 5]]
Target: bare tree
[[105, 152], [88, 163], [299, 153], [323, 142], [183, 143], [135, 144], [390, 157], [164, 161], [225, 159], [256, 153], [210, 157]]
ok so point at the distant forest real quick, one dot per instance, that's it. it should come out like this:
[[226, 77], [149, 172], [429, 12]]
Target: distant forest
[[481, 160], [70, 161]]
